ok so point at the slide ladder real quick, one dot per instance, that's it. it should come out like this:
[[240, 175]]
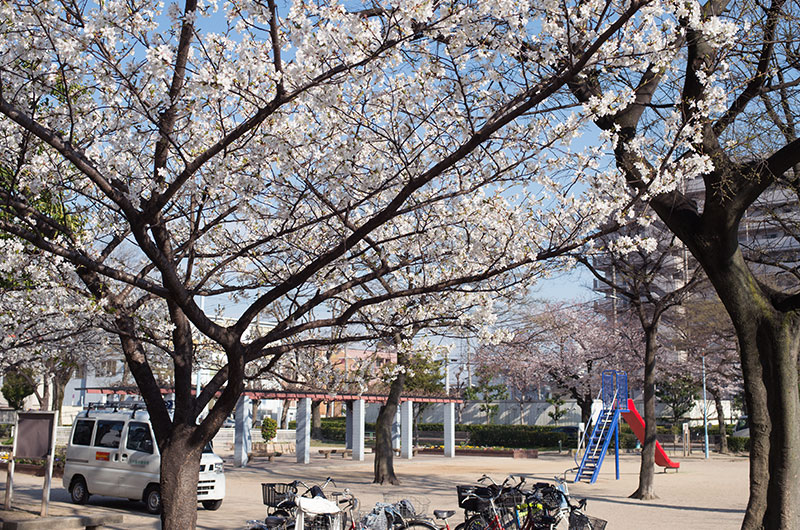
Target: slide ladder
[[604, 430], [615, 401]]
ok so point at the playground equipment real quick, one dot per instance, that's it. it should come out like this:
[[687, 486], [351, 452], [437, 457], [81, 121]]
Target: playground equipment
[[616, 404]]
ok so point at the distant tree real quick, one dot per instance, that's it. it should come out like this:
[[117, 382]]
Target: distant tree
[[488, 393], [565, 346], [644, 287], [17, 386], [679, 393], [704, 332], [558, 412]]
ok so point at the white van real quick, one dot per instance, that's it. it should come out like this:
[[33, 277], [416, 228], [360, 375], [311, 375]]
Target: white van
[[741, 429], [113, 453]]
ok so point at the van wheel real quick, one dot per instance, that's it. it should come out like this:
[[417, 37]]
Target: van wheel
[[152, 499], [212, 505], [79, 492]]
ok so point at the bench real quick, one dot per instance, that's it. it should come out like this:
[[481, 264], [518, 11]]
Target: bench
[[328, 452], [398, 451], [71, 521]]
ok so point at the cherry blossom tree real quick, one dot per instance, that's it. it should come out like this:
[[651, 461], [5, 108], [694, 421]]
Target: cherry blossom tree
[[643, 286], [49, 328], [703, 131], [387, 168], [565, 346]]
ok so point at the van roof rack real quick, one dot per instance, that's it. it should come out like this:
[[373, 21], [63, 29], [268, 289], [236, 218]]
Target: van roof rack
[[116, 406]]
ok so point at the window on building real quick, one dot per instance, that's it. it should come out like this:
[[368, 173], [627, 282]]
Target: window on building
[[107, 369]]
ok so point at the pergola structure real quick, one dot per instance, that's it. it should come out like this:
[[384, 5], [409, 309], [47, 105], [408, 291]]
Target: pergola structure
[[355, 419]]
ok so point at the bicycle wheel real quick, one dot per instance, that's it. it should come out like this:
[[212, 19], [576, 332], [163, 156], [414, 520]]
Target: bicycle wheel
[[417, 524], [476, 522]]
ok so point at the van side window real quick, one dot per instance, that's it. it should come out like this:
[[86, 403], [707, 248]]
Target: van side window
[[139, 438], [108, 433], [83, 432]]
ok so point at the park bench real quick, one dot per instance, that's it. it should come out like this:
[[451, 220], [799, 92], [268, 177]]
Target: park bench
[[271, 449], [328, 452], [69, 521]]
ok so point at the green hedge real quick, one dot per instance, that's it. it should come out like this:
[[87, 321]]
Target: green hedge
[[517, 436], [738, 444]]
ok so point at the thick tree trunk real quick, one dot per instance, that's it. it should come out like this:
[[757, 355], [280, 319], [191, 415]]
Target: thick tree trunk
[[180, 464], [722, 446], [646, 489], [769, 364], [384, 454], [769, 340], [316, 420]]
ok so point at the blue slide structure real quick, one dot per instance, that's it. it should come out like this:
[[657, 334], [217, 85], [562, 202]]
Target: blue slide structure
[[616, 407], [606, 428]]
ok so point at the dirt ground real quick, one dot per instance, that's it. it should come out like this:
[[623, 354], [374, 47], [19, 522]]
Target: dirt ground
[[704, 494]]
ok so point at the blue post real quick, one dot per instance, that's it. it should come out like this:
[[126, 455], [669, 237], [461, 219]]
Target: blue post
[[616, 449], [705, 409]]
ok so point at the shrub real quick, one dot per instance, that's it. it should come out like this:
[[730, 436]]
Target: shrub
[[269, 428], [627, 440], [333, 432], [517, 436], [738, 444]]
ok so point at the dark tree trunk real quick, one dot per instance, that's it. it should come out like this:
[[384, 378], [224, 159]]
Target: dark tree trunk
[[180, 461], [316, 420], [646, 489], [284, 423], [384, 454], [585, 404], [722, 446], [769, 339]]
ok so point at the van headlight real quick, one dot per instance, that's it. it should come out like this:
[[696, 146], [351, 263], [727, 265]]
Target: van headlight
[[219, 467]]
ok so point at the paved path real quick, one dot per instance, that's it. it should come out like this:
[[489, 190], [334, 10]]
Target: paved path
[[703, 495]]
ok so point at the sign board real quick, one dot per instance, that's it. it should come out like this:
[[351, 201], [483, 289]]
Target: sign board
[[34, 437], [34, 434]]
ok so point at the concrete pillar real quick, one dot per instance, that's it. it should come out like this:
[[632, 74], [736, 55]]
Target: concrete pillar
[[396, 436], [303, 431], [348, 423], [359, 414], [449, 430], [407, 428], [242, 439]]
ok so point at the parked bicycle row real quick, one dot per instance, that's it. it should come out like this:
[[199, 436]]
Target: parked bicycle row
[[486, 505]]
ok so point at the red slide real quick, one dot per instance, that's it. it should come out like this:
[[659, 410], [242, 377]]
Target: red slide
[[636, 422]]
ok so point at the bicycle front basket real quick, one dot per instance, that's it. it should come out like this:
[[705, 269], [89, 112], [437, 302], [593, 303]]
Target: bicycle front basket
[[581, 521], [276, 494], [510, 498], [473, 498]]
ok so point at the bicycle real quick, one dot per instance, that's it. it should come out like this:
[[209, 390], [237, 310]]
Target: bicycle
[[400, 515], [286, 510], [490, 507], [508, 507]]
